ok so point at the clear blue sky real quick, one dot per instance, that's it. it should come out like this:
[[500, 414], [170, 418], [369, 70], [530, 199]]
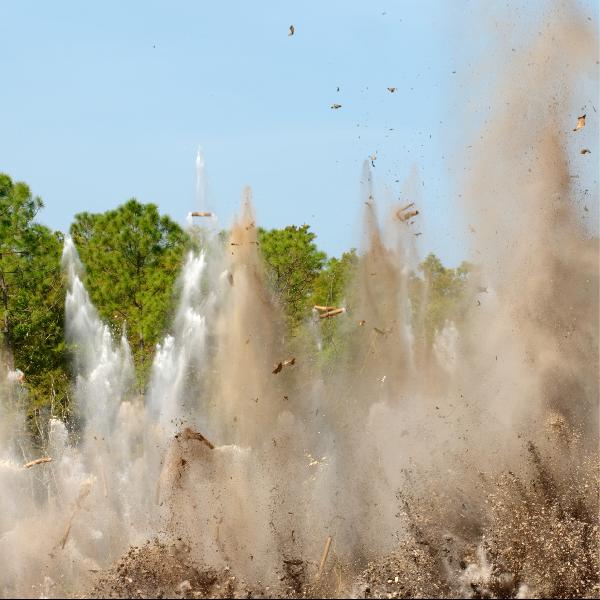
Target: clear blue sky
[[105, 101]]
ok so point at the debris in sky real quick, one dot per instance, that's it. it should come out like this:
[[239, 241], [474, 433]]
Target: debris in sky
[[336, 106], [200, 214], [292, 30], [392, 89], [580, 123], [418, 234], [406, 216], [585, 151], [373, 158]]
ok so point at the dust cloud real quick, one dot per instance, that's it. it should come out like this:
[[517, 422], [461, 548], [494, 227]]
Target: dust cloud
[[468, 467]]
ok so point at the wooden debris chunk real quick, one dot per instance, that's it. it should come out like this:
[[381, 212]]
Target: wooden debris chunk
[[285, 363], [324, 556], [332, 313], [400, 210], [201, 214], [84, 492], [580, 123], [336, 106], [37, 461], [585, 151], [292, 30], [406, 216], [391, 89], [324, 308], [362, 322]]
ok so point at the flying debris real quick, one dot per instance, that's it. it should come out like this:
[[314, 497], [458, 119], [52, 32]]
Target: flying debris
[[392, 89], [336, 106], [292, 30], [325, 312], [580, 123], [418, 234], [585, 151], [286, 363], [405, 215], [373, 158], [201, 214], [37, 461]]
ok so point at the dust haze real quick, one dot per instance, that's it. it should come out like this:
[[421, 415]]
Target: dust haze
[[468, 468]]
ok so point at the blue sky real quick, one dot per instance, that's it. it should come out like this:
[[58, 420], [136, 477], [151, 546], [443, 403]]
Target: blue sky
[[101, 102]]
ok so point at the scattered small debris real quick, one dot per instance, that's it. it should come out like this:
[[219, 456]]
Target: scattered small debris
[[580, 123], [292, 30], [361, 323], [392, 89], [37, 461], [585, 151], [381, 331], [336, 106]]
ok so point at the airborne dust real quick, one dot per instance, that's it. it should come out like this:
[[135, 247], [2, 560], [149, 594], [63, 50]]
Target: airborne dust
[[394, 470]]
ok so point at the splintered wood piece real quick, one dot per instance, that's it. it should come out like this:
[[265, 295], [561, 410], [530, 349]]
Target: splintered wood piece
[[406, 216], [201, 214], [332, 313], [324, 556], [580, 123], [37, 461]]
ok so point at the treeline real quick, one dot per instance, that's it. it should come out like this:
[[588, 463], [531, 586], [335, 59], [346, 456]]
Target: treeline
[[132, 257]]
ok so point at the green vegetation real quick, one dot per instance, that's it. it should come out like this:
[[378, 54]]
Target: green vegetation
[[32, 297], [132, 257]]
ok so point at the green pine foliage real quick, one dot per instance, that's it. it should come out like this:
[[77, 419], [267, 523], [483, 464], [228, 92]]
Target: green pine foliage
[[132, 257]]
